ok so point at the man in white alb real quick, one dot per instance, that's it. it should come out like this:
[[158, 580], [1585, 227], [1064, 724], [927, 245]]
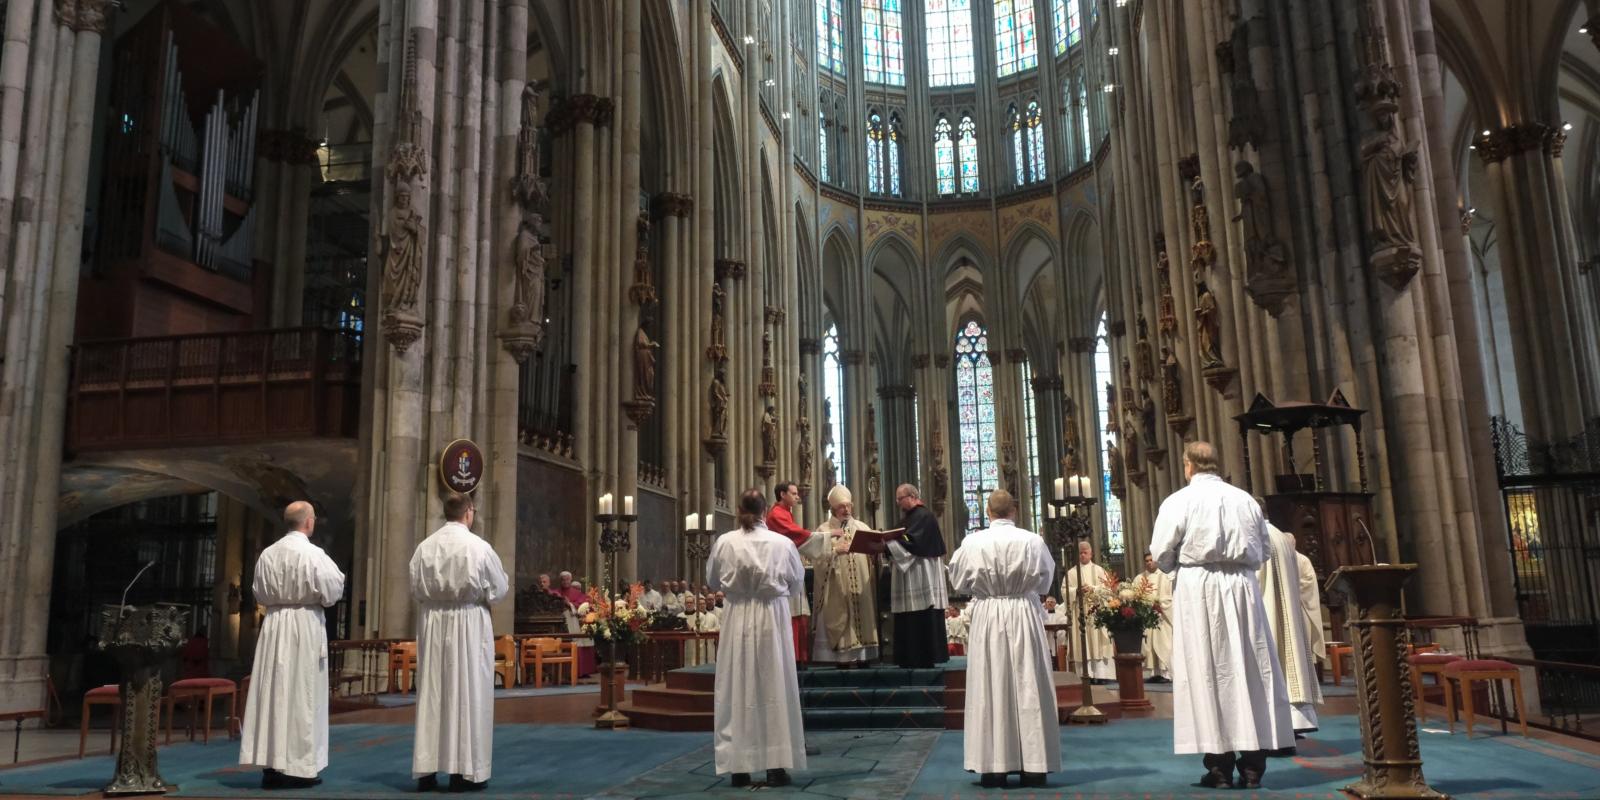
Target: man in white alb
[[285, 728], [1010, 720], [650, 600], [1095, 640], [1157, 640], [1228, 697], [455, 575], [1056, 614]]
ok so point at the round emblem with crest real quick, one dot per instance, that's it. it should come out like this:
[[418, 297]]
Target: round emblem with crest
[[461, 466]]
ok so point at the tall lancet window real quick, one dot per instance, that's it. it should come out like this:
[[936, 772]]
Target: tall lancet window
[[1035, 138], [1069, 24], [822, 143], [1019, 147], [980, 463], [1016, 44], [1027, 144], [1030, 418], [883, 154], [875, 153], [833, 395], [830, 35], [1102, 380], [891, 160], [1083, 120], [944, 157], [969, 155], [882, 52], [948, 25]]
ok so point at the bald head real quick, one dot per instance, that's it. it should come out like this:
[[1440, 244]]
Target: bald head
[[299, 516]]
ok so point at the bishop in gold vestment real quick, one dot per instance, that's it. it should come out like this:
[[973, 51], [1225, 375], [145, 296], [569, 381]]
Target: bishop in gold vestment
[[846, 601]]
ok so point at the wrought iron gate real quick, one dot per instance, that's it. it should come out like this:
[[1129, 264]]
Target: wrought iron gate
[[1551, 492]]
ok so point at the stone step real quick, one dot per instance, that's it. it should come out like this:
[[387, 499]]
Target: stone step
[[825, 719], [871, 677], [858, 697], [665, 698], [663, 720]]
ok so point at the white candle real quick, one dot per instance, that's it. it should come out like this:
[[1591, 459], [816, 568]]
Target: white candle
[[1050, 510], [1061, 491], [627, 505], [605, 504], [707, 522], [691, 522]]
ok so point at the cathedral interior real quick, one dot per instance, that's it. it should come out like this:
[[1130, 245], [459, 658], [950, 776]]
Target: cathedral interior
[[670, 250]]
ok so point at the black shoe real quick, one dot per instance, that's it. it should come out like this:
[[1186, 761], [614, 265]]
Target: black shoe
[[1283, 752], [283, 781], [428, 783], [992, 780], [271, 779], [739, 780], [778, 777], [461, 784], [1249, 781], [1215, 779], [1032, 780]]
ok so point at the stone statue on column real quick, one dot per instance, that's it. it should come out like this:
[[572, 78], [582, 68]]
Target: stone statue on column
[[1388, 167], [521, 337], [1069, 437], [1147, 419], [644, 364], [830, 472], [874, 487], [1267, 276], [1247, 124], [1171, 383], [940, 474], [1145, 353], [803, 428], [1131, 425], [1114, 466], [1207, 326], [527, 303], [769, 376], [769, 435], [1112, 425], [717, 406], [1166, 309], [718, 349], [402, 261]]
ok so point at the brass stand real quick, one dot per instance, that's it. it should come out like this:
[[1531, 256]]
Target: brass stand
[[613, 541], [1383, 684], [140, 638], [1074, 526]]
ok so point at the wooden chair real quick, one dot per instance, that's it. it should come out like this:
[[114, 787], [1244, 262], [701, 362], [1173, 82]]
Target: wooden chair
[[505, 660], [402, 665], [192, 690], [1466, 673], [1429, 663], [1337, 651], [107, 695], [545, 652]]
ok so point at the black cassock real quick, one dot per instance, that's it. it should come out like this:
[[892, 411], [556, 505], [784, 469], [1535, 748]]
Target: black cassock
[[919, 636]]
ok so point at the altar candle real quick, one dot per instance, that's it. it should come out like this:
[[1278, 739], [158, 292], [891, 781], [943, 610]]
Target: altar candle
[[627, 505], [605, 504], [1061, 491], [691, 522]]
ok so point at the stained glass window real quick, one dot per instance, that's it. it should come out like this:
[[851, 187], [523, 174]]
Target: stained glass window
[[892, 159], [833, 395], [1102, 378], [1031, 425], [1036, 163], [980, 463], [822, 142], [1083, 120], [1018, 148], [949, 27], [1068, 24], [969, 155], [883, 52], [875, 153], [1016, 44], [944, 157], [830, 35]]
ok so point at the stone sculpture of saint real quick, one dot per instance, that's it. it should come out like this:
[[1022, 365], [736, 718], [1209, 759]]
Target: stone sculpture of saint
[[1146, 354], [1171, 383], [1147, 417], [874, 479], [1114, 462], [1130, 435], [1386, 170], [718, 314], [402, 262], [803, 425], [769, 435], [644, 364], [1207, 326], [830, 471], [1264, 254], [718, 406], [527, 302]]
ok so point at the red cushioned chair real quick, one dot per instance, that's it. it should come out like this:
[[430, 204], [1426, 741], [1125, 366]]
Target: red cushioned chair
[[107, 695], [192, 690], [1466, 673], [1428, 664]]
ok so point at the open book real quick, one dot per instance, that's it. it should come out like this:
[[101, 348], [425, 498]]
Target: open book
[[874, 543]]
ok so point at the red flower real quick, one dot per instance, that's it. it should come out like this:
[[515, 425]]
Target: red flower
[[1127, 611]]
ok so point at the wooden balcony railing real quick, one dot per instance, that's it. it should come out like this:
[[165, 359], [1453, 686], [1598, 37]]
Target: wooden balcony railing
[[214, 388]]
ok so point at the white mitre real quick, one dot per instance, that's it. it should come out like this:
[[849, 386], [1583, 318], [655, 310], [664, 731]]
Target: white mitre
[[838, 495]]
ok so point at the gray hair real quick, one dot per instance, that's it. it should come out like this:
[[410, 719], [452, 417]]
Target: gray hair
[[910, 491], [566, 574], [297, 514]]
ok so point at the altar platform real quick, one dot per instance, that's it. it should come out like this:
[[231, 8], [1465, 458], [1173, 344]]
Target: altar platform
[[877, 697], [1122, 759]]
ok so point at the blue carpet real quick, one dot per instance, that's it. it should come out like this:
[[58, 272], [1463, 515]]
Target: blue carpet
[[403, 700], [1126, 758]]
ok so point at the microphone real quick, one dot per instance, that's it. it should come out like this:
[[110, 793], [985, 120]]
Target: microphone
[[142, 570], [1371, 546]]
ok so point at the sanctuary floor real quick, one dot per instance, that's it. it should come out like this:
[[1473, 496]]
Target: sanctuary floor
[[546, 748]]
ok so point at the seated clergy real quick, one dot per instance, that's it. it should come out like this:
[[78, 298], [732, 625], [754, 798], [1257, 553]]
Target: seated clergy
[[1055, 614], [650, 600]]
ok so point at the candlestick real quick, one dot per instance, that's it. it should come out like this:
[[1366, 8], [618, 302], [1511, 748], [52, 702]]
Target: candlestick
[[627, 505], [1061, 491], [691, 523]]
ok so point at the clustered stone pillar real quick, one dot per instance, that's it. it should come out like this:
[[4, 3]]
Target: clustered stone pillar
[[47, 105]]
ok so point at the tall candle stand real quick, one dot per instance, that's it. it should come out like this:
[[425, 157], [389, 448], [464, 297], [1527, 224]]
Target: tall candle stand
[[614, 540], [1072, 527], [698, 533]]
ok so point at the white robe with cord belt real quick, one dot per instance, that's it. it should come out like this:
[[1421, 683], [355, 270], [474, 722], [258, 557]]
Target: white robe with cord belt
[[285, 724], [1227, 692], [455, 575], [757, 717], [1011, 719]]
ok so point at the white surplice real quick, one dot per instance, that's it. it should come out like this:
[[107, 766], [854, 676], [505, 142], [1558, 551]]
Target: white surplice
[[651, 601], [455, 575], [955, 630], [757, 717], [1227, 692], [672, 602], [1010, 721], [1280, 592], [1102, 665], [700, 651], [1158, 640], [1311, 606], [286, 715]]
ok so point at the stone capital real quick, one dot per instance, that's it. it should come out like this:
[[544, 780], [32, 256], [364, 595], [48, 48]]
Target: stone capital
[[919, 360], [810, 346], [1081, 344], [85, 15], [894, 391], [1117, 328], [1017, 355], [1517, 138], [775, 315], [672, 204], [942, 360], [853, 358], [1048, 383]]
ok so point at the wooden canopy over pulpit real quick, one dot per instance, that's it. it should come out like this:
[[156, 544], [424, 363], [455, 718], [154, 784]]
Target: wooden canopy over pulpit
[[1331, 525]]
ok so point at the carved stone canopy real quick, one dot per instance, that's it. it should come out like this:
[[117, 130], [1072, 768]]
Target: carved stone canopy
[[897, 391], [941, 360], [1519, 138], [1189, 168], [810, 346], [1081, 344], [672, 204], [919, 360], [1117, 328], [1016, 355]]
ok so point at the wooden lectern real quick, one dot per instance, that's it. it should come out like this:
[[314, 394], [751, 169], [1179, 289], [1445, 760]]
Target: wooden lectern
[[1332, 528]]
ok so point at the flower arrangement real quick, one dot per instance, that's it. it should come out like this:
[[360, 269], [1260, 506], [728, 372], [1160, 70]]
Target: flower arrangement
[[614, 622], [1122, 607]]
